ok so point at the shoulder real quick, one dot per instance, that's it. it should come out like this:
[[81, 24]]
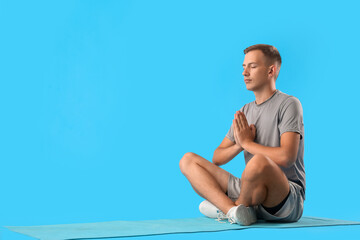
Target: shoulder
[[288, 100], [245, 109]]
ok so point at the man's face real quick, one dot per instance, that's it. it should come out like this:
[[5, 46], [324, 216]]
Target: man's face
[[255, 70]]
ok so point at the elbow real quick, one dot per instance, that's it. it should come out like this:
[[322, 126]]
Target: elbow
[[214, 159], [217, 163], [288, 161]]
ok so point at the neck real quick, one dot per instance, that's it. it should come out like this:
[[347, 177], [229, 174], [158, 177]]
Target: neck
[[264, 94]]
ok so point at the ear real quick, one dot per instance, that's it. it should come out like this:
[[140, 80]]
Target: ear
[[272, 70]]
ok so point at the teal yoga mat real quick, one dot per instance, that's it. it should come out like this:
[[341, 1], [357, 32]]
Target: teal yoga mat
[[156, 227]]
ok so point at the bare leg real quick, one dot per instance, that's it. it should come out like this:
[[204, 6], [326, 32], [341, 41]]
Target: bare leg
[[262, 182], [208, 180]]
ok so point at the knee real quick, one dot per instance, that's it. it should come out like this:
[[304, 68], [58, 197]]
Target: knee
[[186, 161], [258, 167]]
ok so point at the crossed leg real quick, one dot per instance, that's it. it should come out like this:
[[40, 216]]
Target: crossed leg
[[262, 182], [208, 180]]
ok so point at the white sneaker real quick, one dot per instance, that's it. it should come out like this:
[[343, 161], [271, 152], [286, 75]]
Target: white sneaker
[[242, 215], [211, 211]]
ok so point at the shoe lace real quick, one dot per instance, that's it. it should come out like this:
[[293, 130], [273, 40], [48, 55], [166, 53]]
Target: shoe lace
[[231, 220], [222, 216]]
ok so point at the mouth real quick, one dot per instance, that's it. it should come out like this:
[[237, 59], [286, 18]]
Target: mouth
[[247, 80]]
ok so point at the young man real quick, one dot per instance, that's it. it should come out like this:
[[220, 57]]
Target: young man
[[270, 131]]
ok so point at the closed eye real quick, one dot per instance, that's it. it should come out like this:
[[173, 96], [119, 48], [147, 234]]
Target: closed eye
[[251, 67]]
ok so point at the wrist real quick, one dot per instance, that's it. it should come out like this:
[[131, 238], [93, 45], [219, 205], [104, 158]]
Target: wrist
[[246, 144], [238, 147]]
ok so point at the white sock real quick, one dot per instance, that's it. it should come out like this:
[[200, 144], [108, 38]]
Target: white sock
[[231, 210]]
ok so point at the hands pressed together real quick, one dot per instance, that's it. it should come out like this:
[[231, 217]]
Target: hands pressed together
[[243, 133]]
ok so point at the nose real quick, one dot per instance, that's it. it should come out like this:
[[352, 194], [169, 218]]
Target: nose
[[245, 72]]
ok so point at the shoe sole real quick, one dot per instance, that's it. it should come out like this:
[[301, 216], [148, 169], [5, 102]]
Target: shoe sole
[[245, 215]]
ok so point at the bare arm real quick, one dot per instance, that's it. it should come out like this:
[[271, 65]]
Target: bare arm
[[226, 152], [285, 155]]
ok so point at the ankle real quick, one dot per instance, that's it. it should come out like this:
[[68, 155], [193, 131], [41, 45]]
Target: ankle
[[228, 210]]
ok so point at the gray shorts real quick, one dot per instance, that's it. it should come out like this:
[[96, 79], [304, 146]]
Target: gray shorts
[[291, 211]]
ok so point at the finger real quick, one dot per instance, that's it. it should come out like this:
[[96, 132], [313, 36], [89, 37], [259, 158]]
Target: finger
[[236, 126], [238, 120], [241, 124], [236, 129], [253, 129], [244, 120]]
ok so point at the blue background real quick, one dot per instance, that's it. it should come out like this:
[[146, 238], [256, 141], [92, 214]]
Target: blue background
[[101, 99]]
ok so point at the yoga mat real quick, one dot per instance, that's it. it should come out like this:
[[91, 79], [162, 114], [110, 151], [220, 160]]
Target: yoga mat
[[156, 227]]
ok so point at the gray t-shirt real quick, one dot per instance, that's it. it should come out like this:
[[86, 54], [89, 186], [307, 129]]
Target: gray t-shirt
[[278, 114]]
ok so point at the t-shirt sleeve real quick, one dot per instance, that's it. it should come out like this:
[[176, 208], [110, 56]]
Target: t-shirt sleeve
[[230, 133], [291, 117]]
